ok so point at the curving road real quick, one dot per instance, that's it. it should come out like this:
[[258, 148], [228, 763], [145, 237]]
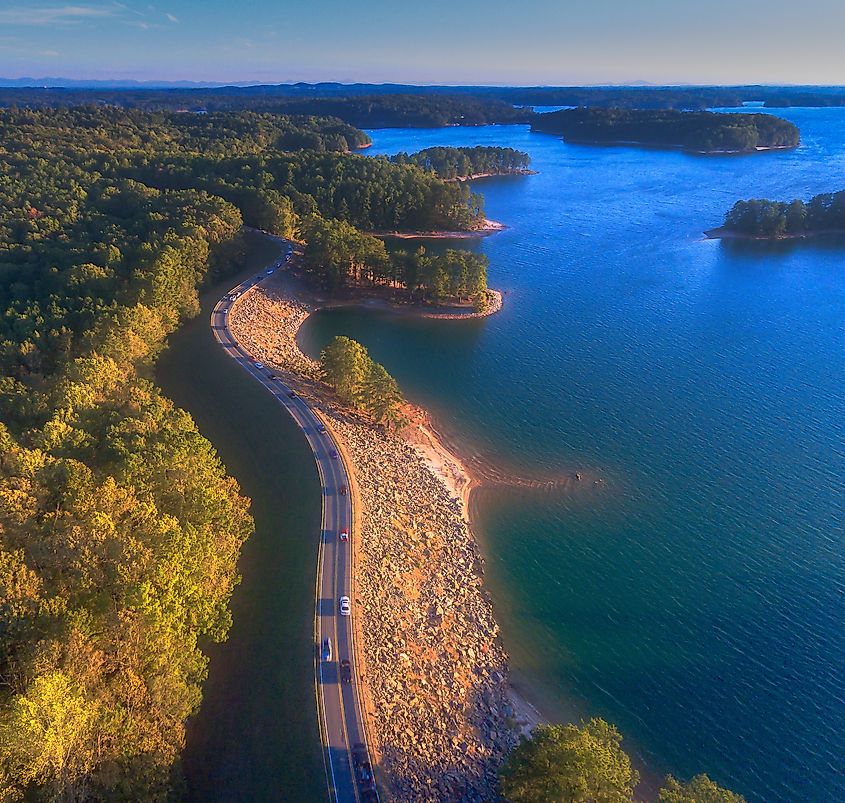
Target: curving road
[[341, 721]]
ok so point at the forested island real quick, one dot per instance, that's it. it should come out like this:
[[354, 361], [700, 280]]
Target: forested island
[[699, 132], [119, 529], [460, 164], [765, 219]]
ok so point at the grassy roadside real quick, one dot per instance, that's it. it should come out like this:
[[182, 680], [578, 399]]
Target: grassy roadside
[[256, 736]]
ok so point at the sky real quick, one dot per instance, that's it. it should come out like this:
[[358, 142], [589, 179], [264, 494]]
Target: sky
[[518, 42]]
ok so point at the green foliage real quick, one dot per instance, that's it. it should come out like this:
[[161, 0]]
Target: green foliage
[[338, 255], [764, 218], [696, 131], [570, 764], [359, 381], [462, 163], [119, 529], [372, 194], [699, 790]]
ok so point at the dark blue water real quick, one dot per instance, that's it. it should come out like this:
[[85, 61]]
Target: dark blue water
[[697, 597]]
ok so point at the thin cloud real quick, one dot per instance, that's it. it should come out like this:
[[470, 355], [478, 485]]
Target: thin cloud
[[171, 17], [54, 15]]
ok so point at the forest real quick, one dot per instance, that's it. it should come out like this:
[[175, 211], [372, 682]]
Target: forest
[[398, 105], [701, 132], [376, 110], [463, 163], [338, 256], [119, 528], [267, 165], [774, 219]]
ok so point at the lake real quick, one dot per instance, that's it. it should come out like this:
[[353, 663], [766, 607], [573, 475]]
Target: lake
[[695, 596]]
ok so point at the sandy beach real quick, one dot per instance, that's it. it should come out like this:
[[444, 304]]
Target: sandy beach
[[440, 707], [488, 227]]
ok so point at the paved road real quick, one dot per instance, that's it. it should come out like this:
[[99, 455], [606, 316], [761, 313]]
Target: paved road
[[339, 707]]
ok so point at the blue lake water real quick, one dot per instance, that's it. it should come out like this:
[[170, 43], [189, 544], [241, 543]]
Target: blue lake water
[[696, 598]]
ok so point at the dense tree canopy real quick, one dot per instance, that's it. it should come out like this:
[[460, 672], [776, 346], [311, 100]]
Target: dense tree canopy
[[699, 790], [119, 529], [586, 764], [462, 163], [570, 764], [397, 105], [360, 382], [696, 131], [337, 255], [764, 218]]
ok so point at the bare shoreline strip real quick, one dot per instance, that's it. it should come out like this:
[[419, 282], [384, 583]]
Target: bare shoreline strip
[[721, 233], [438, 693], [488, 227]]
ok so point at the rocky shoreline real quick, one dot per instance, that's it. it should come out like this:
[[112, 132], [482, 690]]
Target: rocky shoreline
[[437, 694]]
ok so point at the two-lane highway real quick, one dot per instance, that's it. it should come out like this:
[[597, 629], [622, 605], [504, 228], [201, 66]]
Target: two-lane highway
[[348, 769]]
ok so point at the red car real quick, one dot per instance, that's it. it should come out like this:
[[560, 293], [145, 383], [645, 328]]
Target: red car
[[344, 534]]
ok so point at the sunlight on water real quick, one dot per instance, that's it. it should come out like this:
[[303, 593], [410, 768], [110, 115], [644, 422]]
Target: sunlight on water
[[698, 598]]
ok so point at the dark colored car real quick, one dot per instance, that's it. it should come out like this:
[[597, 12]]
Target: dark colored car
[[321, 428], [272, 377], [345, 671], [343, 490], [369, 795], [333, 454], [365, 772], [292, 394], [359, 754]]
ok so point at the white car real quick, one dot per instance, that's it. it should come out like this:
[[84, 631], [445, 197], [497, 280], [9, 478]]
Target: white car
[[259, 365], [345, 606], [269, 271]]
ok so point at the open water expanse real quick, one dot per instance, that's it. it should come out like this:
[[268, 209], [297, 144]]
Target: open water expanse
[[696, 597]]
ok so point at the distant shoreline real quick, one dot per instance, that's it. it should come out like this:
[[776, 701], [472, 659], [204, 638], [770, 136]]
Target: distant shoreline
[[721, 233], [674, 146]]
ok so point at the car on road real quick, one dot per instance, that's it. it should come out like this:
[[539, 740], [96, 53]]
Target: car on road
[[345, 606], [344, 534], [272, 377], [333, 454], [365, 772], [292, 394], [369, 795], [359, 754], [326, 652], [259, 365], [345, 671], [343, 490], [321, 428], [269, 271]]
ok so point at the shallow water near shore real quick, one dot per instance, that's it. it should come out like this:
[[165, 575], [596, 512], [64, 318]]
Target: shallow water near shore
[[697, 597]]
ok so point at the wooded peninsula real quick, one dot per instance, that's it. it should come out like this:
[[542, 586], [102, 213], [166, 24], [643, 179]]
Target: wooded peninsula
[[699, 132], [764, 219]]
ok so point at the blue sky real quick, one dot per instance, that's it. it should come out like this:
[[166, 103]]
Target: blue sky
[[428, 41]]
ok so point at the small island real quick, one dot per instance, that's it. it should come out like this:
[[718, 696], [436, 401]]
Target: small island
[[467, 164], [762, 219], [696, 132]]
